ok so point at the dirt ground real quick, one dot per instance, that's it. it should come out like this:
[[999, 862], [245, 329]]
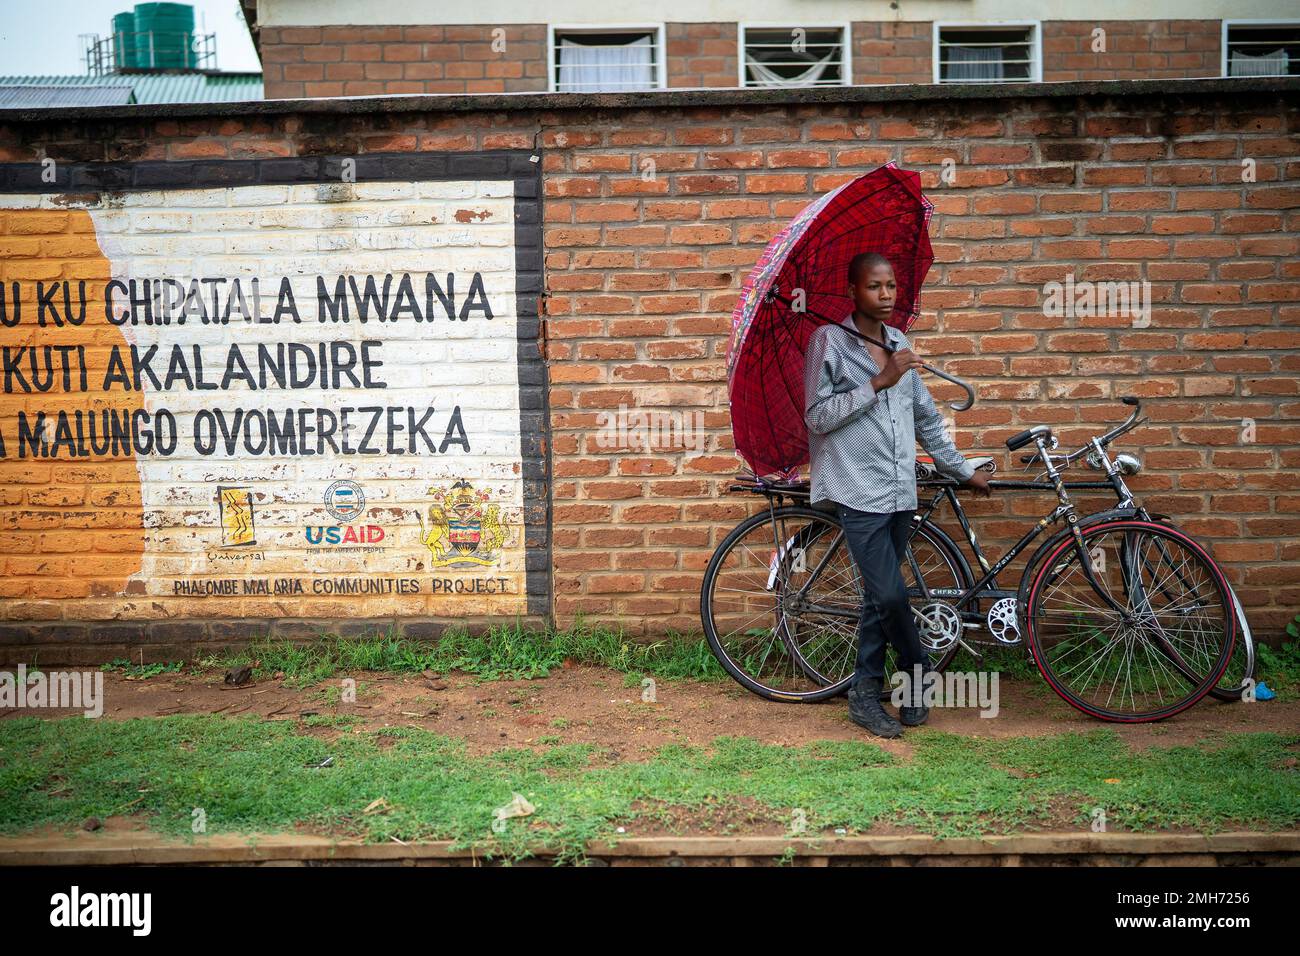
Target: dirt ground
[[592, 705]]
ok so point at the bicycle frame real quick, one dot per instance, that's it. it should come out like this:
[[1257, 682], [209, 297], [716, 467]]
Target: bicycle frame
[[987, 586], [1127, 506]]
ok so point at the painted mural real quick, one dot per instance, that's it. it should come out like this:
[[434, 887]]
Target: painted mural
[[273, 400]]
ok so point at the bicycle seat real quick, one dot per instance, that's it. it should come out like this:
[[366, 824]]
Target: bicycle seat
[[925, 467]]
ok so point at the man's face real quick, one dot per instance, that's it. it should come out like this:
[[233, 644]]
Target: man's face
[[875, 292]]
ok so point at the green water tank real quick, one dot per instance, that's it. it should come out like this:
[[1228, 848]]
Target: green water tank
[[164, 35], [124, 55]]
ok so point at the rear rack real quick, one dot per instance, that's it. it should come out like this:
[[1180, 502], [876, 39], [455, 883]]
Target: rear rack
[[802, 489], [766, 486]]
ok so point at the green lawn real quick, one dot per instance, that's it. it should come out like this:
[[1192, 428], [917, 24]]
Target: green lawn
[[252, 775]]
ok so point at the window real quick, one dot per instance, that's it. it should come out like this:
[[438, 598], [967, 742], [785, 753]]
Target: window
[[986, 53], [793, 56], [606, 59], [1251, 48]]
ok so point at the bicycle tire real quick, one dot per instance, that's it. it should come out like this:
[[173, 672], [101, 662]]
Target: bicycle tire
[[1231, 694], [1049, 566], [708, 603]]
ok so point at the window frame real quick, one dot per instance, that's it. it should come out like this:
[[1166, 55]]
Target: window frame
[[656, 31], [1223, 42], [846, 42], [1035, 28]]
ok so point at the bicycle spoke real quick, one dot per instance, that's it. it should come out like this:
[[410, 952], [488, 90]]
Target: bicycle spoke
[[1157, 654]]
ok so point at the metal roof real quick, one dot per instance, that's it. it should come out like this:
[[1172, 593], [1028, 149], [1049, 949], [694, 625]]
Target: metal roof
[[144, 88], [36, 97]]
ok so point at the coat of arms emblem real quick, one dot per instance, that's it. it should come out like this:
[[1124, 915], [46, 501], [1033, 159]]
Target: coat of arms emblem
[[463, 529]]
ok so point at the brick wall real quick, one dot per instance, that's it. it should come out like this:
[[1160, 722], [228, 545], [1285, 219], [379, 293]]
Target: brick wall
[[372, 60], [486, 58], [1130, 49], [642, 271], [702, 54], [892, 52]]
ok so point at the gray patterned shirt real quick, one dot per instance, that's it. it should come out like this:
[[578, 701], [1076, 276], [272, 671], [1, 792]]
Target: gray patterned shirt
[[862, 443]]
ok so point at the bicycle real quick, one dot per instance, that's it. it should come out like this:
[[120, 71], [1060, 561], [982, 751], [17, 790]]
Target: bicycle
[[1232, 687], [780, 601]]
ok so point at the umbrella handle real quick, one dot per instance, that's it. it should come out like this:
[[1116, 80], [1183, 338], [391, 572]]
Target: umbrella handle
[[957, 406], [960, 405]]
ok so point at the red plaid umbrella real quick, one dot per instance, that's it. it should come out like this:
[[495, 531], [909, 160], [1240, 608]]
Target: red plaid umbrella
[[801, 281]]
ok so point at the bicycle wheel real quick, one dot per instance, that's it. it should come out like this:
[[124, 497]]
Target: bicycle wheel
[[1241, 668], [932, 562], [1160, 647], [768, 576]]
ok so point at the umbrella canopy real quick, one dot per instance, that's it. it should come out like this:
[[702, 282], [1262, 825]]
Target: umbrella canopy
[[801, 281]]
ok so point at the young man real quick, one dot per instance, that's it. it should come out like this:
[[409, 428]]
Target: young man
[[865, 410]]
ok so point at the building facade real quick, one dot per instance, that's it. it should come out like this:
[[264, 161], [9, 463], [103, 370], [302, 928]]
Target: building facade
[[314, 48]]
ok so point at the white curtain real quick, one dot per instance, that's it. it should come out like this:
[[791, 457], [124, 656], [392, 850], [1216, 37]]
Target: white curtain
[[975, 63], [809, 77], [1276, 63], [593, 69]]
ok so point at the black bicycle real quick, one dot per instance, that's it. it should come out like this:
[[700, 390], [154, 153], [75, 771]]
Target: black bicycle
[[1127, 617]]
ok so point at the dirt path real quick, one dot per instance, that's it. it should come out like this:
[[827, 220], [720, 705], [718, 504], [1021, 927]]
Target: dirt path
[[593, 705]]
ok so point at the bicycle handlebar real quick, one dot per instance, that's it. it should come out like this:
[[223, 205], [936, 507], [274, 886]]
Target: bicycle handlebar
[[1121, 429]]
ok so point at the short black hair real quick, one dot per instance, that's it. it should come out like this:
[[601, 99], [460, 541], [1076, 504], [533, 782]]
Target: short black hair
[[866, 260]]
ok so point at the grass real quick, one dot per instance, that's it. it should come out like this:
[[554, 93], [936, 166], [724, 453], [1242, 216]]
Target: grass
[[250, 775], [509, 652], [1279, 668], [141, 671]]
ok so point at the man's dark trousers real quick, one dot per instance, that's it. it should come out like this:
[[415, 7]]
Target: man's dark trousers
[[879, 546]]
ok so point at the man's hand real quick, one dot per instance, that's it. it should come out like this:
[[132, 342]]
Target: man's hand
[[896, 366], [979, 483]]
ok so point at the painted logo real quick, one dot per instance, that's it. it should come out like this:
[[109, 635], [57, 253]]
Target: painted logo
[[464, 530], [345, 501], [345, 534], [235, 506]]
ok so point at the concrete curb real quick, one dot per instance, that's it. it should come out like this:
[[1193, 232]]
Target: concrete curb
[[1086, 849]]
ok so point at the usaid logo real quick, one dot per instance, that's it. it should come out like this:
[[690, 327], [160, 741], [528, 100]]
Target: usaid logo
[[103, 909]]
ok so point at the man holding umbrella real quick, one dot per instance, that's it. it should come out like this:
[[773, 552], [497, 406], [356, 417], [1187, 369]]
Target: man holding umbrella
[[865, 408], [809, 383]]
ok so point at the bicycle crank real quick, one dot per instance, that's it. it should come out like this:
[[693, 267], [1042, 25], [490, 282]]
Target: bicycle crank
[[939, 625]]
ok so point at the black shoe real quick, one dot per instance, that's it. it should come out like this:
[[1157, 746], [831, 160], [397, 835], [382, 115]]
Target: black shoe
[[913, 716], [865, 710]]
